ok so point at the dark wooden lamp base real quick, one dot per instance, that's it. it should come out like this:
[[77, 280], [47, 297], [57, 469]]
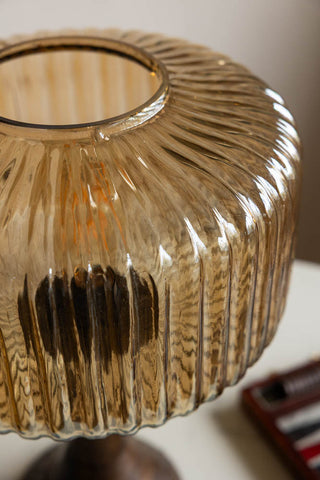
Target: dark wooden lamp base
[[113, 458]]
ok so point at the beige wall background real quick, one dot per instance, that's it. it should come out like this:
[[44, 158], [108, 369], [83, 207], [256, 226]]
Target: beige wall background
[[279, 40]]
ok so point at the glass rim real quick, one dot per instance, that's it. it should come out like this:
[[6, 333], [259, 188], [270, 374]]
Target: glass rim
[[106, 126]]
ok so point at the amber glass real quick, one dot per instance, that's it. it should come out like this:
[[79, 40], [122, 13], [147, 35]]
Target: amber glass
[[148, 200]]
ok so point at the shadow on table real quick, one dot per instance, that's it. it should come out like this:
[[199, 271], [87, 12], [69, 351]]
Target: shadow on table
[[249, 445]]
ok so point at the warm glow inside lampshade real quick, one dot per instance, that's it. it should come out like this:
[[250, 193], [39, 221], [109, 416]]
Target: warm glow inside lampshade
[[144, 258]]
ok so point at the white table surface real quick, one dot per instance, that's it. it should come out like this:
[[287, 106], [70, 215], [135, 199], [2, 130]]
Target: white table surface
[[218, 441]]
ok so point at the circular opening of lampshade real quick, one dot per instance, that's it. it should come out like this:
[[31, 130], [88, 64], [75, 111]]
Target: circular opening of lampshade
[[64, 85]]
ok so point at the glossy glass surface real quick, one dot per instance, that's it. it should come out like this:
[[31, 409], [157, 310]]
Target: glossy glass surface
[[72, 86], [144, 258]]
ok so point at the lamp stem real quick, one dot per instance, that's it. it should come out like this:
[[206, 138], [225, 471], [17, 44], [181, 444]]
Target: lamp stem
[[113, 458]]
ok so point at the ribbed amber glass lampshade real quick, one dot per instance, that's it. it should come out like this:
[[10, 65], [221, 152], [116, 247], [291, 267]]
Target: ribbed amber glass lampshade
[[148, 200]]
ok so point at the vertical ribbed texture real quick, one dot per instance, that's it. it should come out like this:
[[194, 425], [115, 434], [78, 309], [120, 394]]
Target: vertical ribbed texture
[[141, 273]]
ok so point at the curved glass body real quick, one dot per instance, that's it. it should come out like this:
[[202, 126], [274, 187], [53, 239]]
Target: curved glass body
[[144, 258]]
